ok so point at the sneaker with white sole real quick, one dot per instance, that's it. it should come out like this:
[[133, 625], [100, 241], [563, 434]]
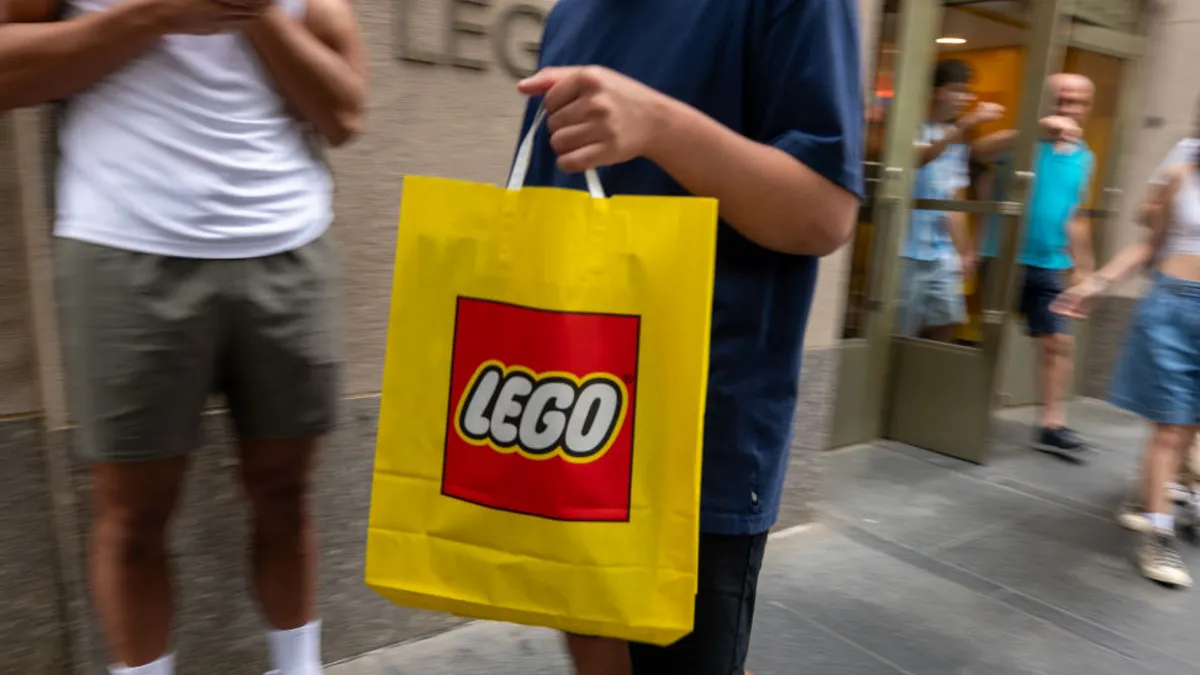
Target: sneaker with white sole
[[1159, 560], [1179, 495], [1132, 516]]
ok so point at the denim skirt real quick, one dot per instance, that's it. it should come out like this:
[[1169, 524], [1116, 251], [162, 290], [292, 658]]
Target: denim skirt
[[1158, 376]]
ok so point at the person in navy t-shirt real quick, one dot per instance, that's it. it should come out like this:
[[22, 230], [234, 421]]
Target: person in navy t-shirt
[[757, 103]]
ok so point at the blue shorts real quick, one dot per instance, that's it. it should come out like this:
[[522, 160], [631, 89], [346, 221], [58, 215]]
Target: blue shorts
[[1158, 376], [1039, 287], [931, 295]]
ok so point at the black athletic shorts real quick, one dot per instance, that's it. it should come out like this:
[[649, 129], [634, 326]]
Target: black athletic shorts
[[726, 589]]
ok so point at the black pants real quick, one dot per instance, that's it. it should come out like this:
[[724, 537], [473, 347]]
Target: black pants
[[726, 589]]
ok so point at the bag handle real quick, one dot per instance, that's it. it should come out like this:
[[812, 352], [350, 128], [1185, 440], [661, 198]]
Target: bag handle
[[516, 180]]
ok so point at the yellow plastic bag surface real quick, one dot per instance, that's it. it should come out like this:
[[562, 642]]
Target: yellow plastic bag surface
[[538, 456]]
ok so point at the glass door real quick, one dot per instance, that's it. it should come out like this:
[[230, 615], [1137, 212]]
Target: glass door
[[1108, 57], [930, 320], [903, 59], [943, 377]]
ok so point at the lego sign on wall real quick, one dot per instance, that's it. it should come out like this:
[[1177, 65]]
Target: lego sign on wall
[[476, 35]]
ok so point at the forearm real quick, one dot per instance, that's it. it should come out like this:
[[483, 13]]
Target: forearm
[[959, 233], [1129, 259], [764, 193], [1081, 246], [316, 81], [987, 148], [926, 153], [42, 62]]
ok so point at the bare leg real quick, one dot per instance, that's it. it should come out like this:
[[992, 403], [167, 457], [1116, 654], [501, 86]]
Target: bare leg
[[941, 333], [1054, 374], [599, 656], [132, 505], [1189, 469], [276, 474], [1164, 450]]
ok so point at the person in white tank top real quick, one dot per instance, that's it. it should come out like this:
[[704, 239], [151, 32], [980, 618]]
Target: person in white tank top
[[192, 206], [1158, 376]]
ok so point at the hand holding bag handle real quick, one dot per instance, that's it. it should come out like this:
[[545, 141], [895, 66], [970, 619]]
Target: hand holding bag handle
[[516, 180]]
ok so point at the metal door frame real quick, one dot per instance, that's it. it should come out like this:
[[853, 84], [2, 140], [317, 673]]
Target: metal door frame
[[929, 379], [860, 397], [1015, 380], [1130, 49]]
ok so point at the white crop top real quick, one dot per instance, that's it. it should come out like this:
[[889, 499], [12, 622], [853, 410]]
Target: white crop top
[[1184, 235]]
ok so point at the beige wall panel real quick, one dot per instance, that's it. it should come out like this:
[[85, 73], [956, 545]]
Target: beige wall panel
[[18, 393], [1171, 100], [424, 119]]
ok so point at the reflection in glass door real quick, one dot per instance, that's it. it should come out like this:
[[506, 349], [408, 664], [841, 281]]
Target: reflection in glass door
[[1104, 56], [941, 389], [893, 112]]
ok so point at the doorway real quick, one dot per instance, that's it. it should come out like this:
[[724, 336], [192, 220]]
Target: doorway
[[938, 390]]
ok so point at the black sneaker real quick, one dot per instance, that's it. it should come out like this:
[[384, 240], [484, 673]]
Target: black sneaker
[[1060, 441]]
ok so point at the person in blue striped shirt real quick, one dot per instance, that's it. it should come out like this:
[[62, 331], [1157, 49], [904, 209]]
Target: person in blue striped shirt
[[936, 254]]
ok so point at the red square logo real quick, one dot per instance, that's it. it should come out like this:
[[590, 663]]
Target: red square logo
[[541, 411]]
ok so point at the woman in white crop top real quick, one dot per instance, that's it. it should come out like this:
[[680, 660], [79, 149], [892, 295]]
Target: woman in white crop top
[[1158, 376]]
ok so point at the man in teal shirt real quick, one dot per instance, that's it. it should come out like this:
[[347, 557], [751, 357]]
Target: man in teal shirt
[[1057, 243]]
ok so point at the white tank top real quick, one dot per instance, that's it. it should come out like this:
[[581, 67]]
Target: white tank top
[[189, 151], [1184, 235]]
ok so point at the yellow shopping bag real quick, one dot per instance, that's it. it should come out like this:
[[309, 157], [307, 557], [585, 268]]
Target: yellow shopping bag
[[538, 457]]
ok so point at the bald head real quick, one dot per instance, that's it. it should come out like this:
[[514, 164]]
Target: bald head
[[1071, 95]]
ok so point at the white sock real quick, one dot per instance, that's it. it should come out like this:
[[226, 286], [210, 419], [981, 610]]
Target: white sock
[[163, 666], [1162, 521], [297, 651]]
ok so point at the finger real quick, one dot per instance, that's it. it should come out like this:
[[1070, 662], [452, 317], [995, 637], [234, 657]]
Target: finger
[[579, 111], [567, 90], [240, 4], [568, 140], [540, 82], [237, 22], [587, 157], [1062, 310]]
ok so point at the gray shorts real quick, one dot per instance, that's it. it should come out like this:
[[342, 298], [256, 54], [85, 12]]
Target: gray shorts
[[931, 295], [147, 339]]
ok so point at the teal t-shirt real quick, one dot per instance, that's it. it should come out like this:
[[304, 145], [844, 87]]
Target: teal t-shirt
[[1061, 185]]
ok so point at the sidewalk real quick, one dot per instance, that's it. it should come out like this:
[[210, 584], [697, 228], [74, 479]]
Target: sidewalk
[[923, 565]]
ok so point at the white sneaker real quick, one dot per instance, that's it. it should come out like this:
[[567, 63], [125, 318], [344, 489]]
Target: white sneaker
[[1159, 560], [1132, 516], [1179, 495]]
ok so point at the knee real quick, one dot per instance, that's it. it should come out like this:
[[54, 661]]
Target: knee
[[1172, 439], [1058, 346], [132, 533], [279, 499]]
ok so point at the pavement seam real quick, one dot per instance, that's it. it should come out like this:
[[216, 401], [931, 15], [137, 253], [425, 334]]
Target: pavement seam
[[1015, 599], [841, 638], [1004, 483], [393, 646]]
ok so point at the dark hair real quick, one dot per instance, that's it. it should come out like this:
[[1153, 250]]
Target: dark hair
[[951, 71]]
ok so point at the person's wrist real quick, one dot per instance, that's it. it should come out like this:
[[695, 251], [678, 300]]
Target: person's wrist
[[156, 17], [663, 119], [269, 19]]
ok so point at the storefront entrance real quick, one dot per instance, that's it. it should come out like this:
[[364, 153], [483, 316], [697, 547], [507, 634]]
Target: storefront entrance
[[940, 395]]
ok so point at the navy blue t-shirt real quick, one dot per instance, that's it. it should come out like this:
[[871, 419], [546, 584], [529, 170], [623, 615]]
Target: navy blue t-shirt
[[781, 72]]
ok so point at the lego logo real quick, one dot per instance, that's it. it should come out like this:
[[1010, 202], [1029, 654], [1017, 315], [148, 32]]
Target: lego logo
[[513, 409]]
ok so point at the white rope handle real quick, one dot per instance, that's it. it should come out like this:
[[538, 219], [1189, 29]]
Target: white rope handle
[[516, 180]]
